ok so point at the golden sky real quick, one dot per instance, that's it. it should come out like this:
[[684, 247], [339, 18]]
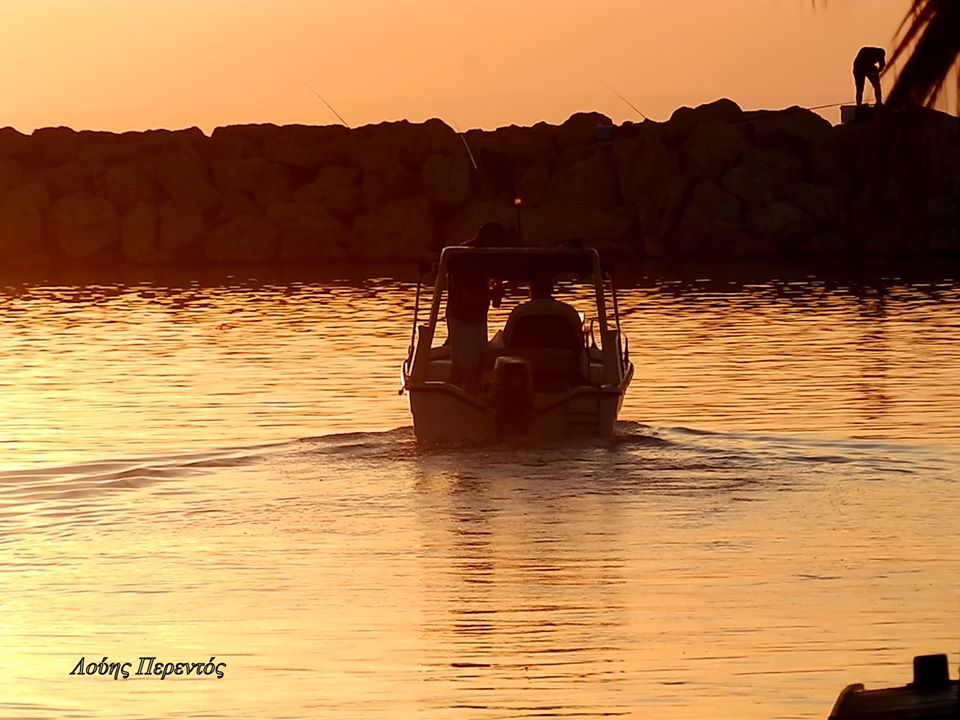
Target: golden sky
[[137, 64]]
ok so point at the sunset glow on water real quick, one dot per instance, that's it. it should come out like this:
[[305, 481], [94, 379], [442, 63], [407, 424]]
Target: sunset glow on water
[[224, 469], [212, 500]]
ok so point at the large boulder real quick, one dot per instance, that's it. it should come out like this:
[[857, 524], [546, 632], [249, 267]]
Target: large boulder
[[69, 178], [232, 175], [533, 186], [180, 229], [243, 239], [240, 141], [21, 222], [384, 180], [467, 220], [433, 137], [405, 142], [590, 183], [164, 234], [930, 161], [794, 128], [308, 232], [138, 234], [764, 176], [54, 145], [296, 148], [522, 146], [642, 164], [943, 225], [712, 148], [396, 230], [273, 184], [556, 223], [831, 159], [184, 177], [659, 210], [710, 224], [82, 225], [826, 205], [336, 188], [783, 228], [11, 175], [13, 143], [685, 119], [127, 184], [34, 192], [447, 179], [236, 204], [581, 129]]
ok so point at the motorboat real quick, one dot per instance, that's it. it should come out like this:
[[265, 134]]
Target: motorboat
[[931, 696], [542, 375]]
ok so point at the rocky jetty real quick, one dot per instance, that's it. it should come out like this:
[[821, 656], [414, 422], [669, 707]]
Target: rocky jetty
[[712, 182]]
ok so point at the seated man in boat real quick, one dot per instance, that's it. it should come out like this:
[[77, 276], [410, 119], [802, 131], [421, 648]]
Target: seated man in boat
[[550, 333], [552, 323]]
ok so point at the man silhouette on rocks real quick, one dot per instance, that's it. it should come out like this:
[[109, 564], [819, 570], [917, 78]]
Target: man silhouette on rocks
[[868, 64]]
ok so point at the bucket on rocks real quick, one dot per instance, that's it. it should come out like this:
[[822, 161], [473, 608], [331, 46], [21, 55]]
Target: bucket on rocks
[[852, 114], [512, 396]]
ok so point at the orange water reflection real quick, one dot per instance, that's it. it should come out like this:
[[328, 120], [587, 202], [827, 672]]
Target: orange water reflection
[[170, 487], [106, 371]]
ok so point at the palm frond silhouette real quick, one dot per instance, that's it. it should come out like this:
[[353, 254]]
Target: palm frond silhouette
[[928, 43]]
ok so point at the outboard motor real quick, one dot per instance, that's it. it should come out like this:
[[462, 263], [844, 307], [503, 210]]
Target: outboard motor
[[512, 396]]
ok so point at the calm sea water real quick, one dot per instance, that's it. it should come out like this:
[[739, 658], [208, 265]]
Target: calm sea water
[[225, 469]]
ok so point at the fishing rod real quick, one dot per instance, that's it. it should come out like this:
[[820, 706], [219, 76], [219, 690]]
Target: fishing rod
[[517, 201], [329, 106], [634, 107], [466, 145], [822, 107]]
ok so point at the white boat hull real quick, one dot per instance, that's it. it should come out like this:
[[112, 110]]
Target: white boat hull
[[444, 413], [544, 375]]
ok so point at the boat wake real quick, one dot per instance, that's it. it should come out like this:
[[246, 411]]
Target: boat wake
[[637, 458]]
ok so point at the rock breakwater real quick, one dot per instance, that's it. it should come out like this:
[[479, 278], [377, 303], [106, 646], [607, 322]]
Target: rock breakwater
[[712, 182]]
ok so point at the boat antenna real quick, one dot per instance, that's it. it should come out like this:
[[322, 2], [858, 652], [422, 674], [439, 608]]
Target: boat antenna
[[329, 106], [634, 107], [466, 145], [517, 204]]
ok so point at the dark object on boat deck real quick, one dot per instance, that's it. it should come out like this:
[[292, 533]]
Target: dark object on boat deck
[[512, 396], [931, 696]]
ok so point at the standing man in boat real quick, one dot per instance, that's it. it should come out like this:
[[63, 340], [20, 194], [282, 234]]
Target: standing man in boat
[[469, 296], [868, 64]]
